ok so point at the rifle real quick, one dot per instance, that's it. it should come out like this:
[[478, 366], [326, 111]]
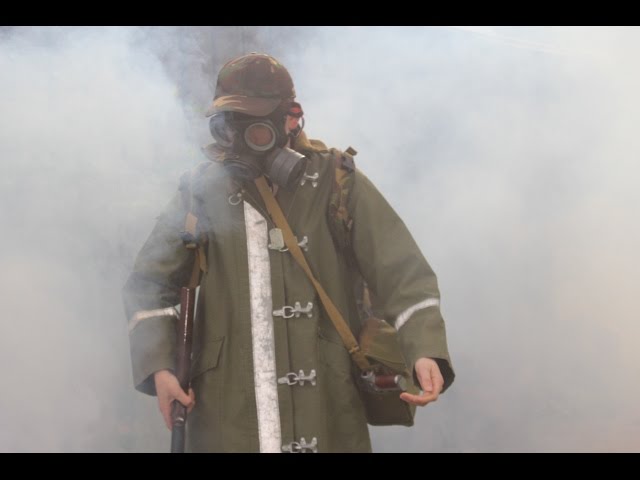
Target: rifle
[[183, 367], [195, 242]]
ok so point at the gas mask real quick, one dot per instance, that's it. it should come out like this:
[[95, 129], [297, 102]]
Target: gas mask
[[256, 146]]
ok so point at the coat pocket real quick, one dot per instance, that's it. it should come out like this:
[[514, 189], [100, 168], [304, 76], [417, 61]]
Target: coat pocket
[[207, 358]]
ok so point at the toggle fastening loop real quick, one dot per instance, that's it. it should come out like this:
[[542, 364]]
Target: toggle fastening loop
[[292, 378], [301, 446], [288, 311], [313, 178]]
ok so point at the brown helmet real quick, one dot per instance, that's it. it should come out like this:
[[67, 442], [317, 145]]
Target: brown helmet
[[255, 84]]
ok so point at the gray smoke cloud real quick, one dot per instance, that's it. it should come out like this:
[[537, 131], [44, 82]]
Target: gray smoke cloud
[[509, 152], [92, 133]]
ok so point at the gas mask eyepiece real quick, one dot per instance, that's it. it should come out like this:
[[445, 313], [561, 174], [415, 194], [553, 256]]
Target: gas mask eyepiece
[[221, 130], [260, 136]]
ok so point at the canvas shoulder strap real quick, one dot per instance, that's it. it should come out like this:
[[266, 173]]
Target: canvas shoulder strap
[[290, 241], [339, 219], [192, 238]]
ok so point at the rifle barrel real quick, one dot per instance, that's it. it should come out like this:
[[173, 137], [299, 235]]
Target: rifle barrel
[[183, 366]]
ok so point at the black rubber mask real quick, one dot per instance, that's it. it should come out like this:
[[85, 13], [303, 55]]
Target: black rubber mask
[[256, 146]]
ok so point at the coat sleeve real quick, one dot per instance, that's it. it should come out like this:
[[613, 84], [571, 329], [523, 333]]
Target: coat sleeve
[[404, 284], [161, 268]]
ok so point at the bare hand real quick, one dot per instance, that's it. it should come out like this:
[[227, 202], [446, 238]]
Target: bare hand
[[168, 390], [431, 381]]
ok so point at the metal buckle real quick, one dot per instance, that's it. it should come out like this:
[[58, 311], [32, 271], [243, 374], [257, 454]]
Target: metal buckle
[[189, 240], [299, 447], [293, 447], [276, 241], [288, 311], [313, 178], [292, 378], [304, 243], [297, 308], [283, 312], [236, 195]]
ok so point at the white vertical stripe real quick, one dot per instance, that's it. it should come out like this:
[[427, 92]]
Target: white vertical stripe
[[264, 355], [406, 315]]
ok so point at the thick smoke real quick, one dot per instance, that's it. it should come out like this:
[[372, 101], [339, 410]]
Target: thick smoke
[[93, 137], [510, 153]]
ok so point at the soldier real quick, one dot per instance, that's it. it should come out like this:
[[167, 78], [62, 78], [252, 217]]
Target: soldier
[[270, 371]]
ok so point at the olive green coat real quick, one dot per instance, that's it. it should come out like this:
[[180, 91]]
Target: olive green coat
[[241, 348]]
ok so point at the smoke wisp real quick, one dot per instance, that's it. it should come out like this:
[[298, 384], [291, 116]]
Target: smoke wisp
[[509, 152]]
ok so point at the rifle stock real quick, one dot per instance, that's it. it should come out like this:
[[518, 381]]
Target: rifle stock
[[183, 366]]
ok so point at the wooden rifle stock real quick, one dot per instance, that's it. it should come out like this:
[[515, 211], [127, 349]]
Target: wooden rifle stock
[[183, 368]]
